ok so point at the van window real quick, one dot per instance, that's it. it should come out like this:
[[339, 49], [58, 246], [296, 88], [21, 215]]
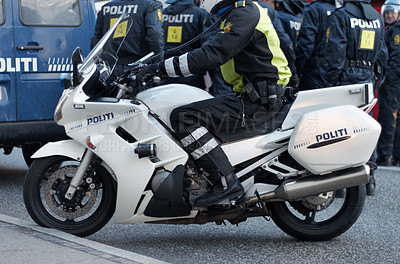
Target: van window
[[1, 12], [50, 12]]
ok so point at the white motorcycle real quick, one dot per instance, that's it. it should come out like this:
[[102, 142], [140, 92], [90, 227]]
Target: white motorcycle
[[123, 159]]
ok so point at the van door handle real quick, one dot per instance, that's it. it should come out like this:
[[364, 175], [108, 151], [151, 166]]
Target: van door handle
[[30, 47]]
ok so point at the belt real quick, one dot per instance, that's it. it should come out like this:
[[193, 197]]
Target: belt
[[359, 64], [267, 94]]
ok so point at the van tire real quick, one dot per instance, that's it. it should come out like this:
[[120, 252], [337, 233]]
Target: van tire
[[29, 150]]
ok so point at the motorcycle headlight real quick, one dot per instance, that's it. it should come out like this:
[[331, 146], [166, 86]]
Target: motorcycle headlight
[[58, 111]]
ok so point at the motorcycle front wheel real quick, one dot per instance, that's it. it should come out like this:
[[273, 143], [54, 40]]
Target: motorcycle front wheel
[[92, 206], [320, 217]]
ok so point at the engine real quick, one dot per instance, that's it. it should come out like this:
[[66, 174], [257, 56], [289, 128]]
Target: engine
[[195, 183]]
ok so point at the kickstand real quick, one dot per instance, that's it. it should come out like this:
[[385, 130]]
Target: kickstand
[[263, 207]]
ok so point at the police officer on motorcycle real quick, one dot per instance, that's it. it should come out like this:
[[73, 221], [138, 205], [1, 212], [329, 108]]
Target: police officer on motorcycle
[[311, 43], [247, 48], [355, 41], [389, 93], [145, 37]]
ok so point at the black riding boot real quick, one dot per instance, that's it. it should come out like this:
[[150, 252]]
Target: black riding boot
[[219, 192], [371, 185]]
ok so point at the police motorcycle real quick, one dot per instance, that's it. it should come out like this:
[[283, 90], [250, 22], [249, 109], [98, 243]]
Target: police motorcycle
[[123, 159]]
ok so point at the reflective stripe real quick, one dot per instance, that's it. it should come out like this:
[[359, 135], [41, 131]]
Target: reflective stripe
[[224, 183], [169, 67], [195, 135], [278, 60], [184, 66], [200, 152]]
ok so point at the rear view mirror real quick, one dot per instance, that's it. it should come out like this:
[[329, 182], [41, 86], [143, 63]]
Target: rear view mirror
[[77, 56], [76, 60]]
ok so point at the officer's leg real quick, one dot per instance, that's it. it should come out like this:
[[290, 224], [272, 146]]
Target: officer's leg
[[192, 123], [396, 141], [371, 185], [387, 106]]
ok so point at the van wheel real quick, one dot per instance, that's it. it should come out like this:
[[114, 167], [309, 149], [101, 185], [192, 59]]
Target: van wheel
[[28, 151]]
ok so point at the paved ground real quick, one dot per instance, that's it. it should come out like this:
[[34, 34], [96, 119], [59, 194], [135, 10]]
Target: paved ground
[[375, 238], [24, 242]]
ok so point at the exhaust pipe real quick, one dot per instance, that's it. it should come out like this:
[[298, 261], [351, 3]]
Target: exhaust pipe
[[316, 184]]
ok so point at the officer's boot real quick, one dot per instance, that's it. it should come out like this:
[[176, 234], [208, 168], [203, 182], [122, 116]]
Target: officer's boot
[[371, 184], [220, 191]]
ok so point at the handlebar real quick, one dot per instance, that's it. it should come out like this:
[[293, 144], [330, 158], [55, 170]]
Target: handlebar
[[127, 81]]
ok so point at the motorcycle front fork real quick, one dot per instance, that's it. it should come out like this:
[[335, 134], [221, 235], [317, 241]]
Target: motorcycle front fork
[[80, 173]]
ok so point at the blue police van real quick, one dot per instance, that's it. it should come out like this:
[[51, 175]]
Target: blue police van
[[38, 38]]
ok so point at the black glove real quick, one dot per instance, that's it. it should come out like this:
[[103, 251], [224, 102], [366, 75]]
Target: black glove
[[384, 89], [333, 81], [148, 72], [294, 81]]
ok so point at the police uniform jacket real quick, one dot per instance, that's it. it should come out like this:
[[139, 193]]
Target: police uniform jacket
[[286, 44], [246, 44], [354, 44], [183, 22], [392, 40], [145, 34], [311, 40], [291, 23]]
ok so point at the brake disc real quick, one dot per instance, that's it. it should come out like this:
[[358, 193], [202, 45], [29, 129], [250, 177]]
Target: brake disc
[[54, 192], [317, 203]]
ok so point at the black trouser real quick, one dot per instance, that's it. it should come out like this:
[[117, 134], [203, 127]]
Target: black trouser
[[196, 123], [389, 105]]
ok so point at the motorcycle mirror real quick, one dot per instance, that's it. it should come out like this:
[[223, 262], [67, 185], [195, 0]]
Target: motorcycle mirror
[[76, 60], [77, 56]]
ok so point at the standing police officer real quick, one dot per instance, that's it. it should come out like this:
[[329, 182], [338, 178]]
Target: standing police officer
[[291, 14], [183, 21], [311, 43], [355, 39], [247, 46], [389, 93], [145, 36]]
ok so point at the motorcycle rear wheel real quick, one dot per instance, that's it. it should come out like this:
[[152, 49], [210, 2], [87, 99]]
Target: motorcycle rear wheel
[[309, 226], [91, 208]]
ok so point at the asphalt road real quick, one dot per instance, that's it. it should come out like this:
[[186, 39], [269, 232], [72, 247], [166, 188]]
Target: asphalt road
[[375, 237]]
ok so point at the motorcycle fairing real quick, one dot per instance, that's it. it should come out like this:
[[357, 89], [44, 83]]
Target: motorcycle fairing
[[167, 200], [163, 99]]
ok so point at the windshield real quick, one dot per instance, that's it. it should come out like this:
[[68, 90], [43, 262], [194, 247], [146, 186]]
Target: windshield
[[97, 51], [65, 13]]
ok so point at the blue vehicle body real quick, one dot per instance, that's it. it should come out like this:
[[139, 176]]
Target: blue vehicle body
[[38, 38]]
